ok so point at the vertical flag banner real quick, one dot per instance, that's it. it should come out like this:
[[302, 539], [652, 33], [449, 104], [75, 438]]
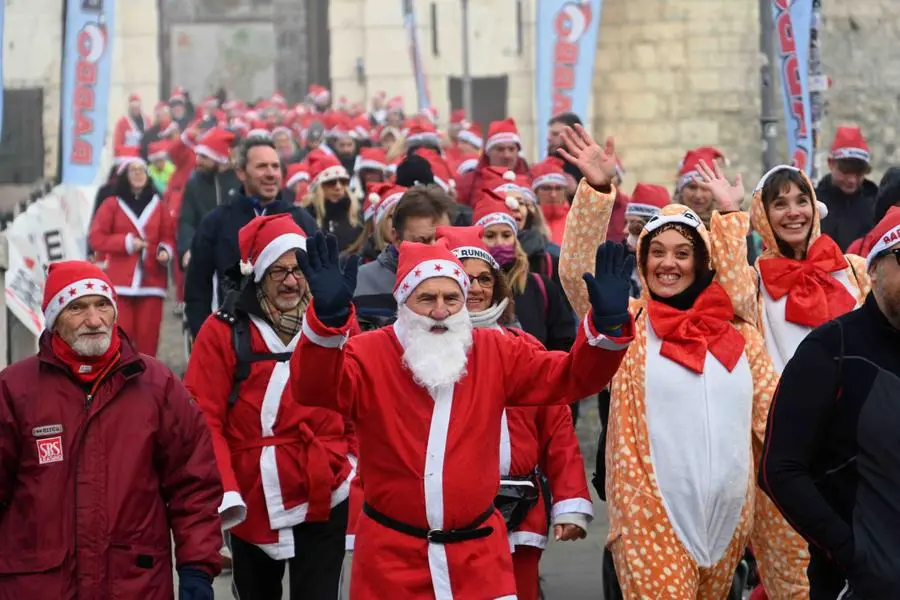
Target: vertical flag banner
[[87, 66], [2, 46], [415, 53], [793, 21], [566, 46]]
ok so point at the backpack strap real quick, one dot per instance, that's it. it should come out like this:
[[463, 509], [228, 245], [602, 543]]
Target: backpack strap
[[548, 264], [542, 288], [245, 357]]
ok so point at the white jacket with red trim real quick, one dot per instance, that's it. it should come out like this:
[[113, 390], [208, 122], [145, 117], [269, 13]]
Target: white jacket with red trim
[[281, 463], [113, 232], [127, 133]]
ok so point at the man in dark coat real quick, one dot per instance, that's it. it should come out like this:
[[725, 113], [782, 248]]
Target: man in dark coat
[[214, 248]]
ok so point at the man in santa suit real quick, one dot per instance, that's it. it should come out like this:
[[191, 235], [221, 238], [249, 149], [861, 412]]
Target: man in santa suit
[[427, 396], [130, 128], [286, 468]]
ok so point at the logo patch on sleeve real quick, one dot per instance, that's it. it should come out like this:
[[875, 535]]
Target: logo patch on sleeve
[[50, 450]]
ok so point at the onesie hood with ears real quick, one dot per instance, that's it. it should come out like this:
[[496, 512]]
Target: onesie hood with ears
[[760, 221]]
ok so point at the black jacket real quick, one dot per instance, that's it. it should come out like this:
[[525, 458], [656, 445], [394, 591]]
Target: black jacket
[[203, 192], [545, 313], [215, 249], [849, 217], [832, 452], [888, 192], [336, 220]]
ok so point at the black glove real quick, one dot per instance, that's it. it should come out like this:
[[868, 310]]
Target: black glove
[[194, 584], [331, 288], [610, 286]]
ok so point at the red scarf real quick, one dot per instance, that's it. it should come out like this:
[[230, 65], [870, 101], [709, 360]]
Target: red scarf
[[813, 295], [688, 335], [87, 369]]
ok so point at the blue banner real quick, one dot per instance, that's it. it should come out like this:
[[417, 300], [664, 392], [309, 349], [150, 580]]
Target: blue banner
[[2, 46], [793, 22], [423, 98], [87, 67], [566, 47]]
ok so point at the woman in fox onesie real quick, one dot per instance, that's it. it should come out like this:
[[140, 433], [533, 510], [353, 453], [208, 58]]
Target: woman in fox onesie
[[801, 281], [680, 470]]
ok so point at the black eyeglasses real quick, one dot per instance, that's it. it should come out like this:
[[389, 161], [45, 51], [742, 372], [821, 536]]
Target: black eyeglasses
[[279, 274], [895, 252], [485, 280]]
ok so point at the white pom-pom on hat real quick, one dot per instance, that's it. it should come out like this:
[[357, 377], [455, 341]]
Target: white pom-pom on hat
[[823, 209], [246, 268], [509, 176], [374, 198], [512, 203]]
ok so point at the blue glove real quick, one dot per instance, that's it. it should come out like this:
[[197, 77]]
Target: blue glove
[[331, 288], [609, 289], [194, 584]]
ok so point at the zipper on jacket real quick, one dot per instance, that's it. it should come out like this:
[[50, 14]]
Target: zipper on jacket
[[87, 403]]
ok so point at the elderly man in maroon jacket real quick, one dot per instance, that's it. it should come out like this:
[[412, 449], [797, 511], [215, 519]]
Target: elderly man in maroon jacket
[[103, 459]]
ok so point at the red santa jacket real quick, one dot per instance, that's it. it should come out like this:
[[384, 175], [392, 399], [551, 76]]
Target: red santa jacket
[[281, 463], [181, 153], [468, 185], [113, 231], [127, 133], [92, 497]]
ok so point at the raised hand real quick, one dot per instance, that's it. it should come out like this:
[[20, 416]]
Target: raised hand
[[598, 165], [609, 288], [331, 287], [728, 197]]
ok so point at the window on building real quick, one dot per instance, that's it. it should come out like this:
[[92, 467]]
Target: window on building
[[488, 98], [22, 142]]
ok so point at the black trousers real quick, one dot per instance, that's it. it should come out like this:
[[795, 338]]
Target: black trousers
[[315, 570]]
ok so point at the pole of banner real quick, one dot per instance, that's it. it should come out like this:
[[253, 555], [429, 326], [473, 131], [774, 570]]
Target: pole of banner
[[767, 119], [466, 73], [6, 316], [818, 84]]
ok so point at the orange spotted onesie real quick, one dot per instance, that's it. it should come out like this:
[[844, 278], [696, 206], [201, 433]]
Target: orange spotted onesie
[[680, 469]]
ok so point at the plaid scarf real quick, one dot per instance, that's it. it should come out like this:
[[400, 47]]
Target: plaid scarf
[[286, 324]]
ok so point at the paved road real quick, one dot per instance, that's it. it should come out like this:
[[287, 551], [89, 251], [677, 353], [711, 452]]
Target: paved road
[[571, 570]]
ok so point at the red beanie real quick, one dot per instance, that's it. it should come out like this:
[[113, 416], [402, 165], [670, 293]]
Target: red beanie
[[850, 143], [69, 280], [647, 200], [467, 242], [418, 262], [494, 209], [266, 238]]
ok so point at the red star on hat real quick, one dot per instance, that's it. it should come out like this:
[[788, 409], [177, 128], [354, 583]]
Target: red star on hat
[[418, 272], [438, 268], [89, 286], [72, 291]]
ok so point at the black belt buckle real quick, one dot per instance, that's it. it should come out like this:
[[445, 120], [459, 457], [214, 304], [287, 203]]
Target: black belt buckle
[[436, 536]]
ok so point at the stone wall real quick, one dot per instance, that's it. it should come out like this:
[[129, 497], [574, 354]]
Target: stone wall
[[672, 75]]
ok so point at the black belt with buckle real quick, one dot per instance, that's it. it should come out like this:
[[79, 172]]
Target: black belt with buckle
[[435, 536]]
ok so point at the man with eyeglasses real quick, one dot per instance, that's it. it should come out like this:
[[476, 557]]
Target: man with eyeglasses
[[286, 469], [831, 461]]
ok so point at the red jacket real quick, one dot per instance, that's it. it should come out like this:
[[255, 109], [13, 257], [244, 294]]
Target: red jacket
[[89, 492], [181, 153], [468, 185], [281, 463], [126, 132], [113, 230]]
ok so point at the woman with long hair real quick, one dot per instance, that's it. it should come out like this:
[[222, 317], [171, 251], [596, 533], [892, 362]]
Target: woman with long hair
[[135, 232], [378, 209], [799, 282], [679, 461], [330, 201], [541, 308], [533, 441]]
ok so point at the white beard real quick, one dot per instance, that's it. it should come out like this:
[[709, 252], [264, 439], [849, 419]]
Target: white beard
[[434, 359], [88, 346]]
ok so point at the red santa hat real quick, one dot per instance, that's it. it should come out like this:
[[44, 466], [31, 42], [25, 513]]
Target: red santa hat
[[264, 239], [471, 135], [418, 262], [395, 104], [886, 234], [381, 199], [458, 117], [158, 150], [850, 143], [371, 158], [494, 209], [70, 280], [423, 131], [467, 242], [296, 172], [177, 96], [548, 172], [319, 94], [503, 132], [215, 145], [337, 124], [279, 100], [125, 156], [361, 127], [325, 167], [690, 165], [282, 130], [647, 200], [430, 113], [467, 165], [503, 181], [134, 98]]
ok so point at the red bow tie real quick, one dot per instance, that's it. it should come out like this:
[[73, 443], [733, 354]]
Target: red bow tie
[[687, 335], [813, 295]]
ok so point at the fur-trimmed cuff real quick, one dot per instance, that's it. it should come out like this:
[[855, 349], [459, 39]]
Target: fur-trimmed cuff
[[577, 519], [233, 510], [599, 340], [580, 506], [167, 248], [129, 243], [322, 335]]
